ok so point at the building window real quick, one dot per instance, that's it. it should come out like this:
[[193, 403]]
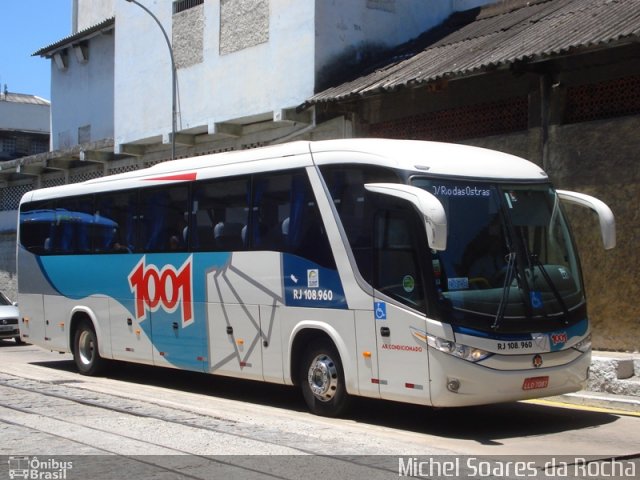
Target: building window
[[84, 134], [8, 145], [182, 5], [39, 146]]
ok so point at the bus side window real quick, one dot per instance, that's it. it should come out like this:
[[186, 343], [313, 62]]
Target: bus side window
[[73, 225], [285, 217], [220, 214], [117, 214], [271, 206], [36, 219], [397, 261], [354, 206], [303, 231], [163, 220]]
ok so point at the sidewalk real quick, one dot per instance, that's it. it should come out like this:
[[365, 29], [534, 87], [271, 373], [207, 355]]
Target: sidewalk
[[614, 382]]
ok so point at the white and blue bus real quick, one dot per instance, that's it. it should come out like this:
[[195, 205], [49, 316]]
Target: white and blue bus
[[419, 272]]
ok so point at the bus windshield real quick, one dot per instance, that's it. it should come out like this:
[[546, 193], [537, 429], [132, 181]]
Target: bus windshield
[[509, 255]]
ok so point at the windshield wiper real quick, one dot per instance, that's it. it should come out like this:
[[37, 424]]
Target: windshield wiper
[[508, 279], [536, 261]]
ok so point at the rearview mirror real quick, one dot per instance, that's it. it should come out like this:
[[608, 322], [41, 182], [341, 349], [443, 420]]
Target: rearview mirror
[[427, 204], [605, 215]]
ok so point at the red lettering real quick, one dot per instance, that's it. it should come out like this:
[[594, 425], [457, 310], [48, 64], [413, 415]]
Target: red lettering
[[407, 348], [557, 338], [167, 289]]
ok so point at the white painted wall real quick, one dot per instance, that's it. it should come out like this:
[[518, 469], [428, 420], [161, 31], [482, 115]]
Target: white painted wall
[[87, 13], [255, 80], [142, 75], [460, 5], [346, 30], [304, 37], [83, 94], [24, 116]]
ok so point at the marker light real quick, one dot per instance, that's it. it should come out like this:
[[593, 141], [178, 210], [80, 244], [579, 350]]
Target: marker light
[[453, 385], [465, 352], [584, 345]]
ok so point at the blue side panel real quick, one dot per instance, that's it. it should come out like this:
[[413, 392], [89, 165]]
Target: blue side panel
[[164, 292], [182, 347], [306, 284]]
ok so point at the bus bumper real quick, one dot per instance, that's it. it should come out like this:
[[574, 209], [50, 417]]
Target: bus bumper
[[457, 383]]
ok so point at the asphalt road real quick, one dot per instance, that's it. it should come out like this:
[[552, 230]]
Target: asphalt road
[[146, 422]]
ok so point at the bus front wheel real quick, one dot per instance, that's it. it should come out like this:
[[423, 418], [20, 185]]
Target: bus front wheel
[[322, 380], [85, 351]]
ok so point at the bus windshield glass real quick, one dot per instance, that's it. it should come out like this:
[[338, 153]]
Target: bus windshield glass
[[509, 258]]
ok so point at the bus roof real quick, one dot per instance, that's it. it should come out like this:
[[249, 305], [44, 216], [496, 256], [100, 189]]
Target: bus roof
[[432, 158], [420, 157]]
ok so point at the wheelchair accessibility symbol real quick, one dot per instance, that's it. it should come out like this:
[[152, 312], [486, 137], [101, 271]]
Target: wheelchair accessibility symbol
[[536, 300], [380, 310]]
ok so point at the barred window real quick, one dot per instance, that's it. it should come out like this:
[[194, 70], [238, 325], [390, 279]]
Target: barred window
[[470, 121], [8, 145], [182, 5], [613, 98], [39, 146]]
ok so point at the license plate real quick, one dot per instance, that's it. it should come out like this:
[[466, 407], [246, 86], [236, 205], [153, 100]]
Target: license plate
[[7, 328], [533, 383]]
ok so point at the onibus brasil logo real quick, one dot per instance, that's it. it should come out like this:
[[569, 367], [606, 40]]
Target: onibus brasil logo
[[35, 468], [167, 288]]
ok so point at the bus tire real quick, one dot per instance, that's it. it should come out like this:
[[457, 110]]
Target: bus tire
[[322, 380], [85, 350]]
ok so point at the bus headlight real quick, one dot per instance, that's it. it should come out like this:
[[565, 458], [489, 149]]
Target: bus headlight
[[465, 352], [584, 345]]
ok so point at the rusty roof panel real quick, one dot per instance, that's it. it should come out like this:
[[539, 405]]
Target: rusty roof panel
[[23, 98], [105, 25], [500, 35]]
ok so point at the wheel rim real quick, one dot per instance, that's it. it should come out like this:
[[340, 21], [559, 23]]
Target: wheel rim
[[86, 348], [323, 378]]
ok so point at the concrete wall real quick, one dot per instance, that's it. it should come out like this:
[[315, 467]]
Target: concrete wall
[[243, 24], [349, 33], [236, 82], [82, 95], [598, 158], [240, 59], [24, 116]]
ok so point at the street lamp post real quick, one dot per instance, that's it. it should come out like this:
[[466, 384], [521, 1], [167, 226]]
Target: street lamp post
[[173, 78]]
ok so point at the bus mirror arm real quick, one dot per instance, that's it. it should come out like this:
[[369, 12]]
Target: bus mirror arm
[[605, 215], [427, 204]]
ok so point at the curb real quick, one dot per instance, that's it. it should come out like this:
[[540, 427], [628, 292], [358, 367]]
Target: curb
[[622, 403]]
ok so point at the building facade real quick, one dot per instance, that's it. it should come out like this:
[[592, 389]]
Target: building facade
[[243, 67], [24, 131], [24, 125], [554, 81]]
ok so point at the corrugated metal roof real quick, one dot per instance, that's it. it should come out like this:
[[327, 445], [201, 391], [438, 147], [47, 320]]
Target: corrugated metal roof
[[76, 37], [500, 35], [23, 98]]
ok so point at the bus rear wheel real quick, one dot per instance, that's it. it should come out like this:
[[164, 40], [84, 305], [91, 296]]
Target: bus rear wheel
[[322, 380], [85, 351]]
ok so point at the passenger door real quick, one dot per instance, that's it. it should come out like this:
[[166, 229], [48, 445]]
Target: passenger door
[[400, 303]]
